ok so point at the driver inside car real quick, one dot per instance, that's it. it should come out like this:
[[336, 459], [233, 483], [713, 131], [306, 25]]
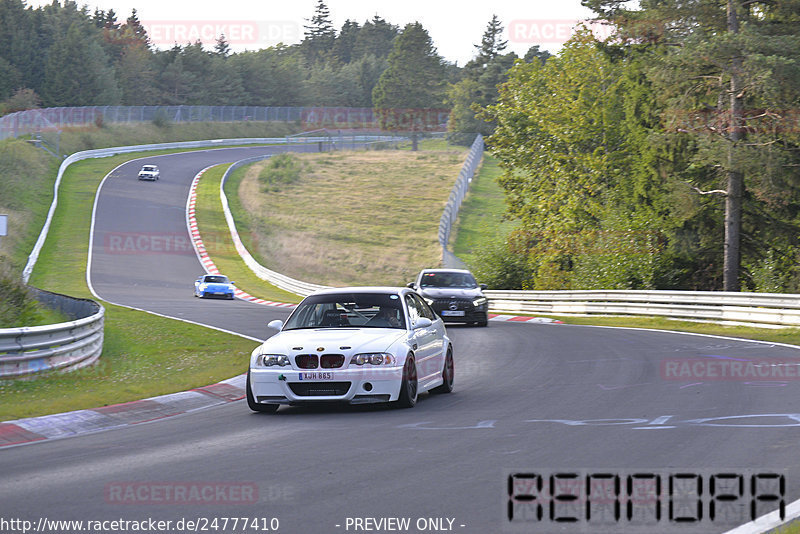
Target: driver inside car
[[386, 317]]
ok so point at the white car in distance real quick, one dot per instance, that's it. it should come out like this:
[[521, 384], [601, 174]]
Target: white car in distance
[[149, 172], [355, 345]]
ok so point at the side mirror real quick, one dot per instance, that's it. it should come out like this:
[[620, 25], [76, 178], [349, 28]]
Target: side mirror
[[483, 286], [233, 283], [410, 285], [422, 322], [277, 324]]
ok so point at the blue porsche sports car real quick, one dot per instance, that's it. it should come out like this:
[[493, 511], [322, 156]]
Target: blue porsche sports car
[[213, 285]]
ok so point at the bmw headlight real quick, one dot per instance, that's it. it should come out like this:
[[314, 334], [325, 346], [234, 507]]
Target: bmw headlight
[[270, 360], [372, 358], [479, 301]]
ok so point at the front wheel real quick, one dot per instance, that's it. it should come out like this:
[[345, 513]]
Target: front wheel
[[408, 387], [448, 374], [255, 406]]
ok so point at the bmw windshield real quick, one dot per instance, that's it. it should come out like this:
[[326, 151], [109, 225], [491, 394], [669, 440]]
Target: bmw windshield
[[344, 310]]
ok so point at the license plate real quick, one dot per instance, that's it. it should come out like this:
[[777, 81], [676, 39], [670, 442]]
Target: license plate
[[219, 293], [316, 376], [452, 313]]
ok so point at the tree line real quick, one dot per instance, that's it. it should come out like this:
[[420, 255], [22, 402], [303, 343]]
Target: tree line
[[664, 157], [61, 54]]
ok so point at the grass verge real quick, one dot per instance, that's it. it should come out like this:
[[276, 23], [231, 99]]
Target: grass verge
[[350, 218], [481, 217], [217, 240]]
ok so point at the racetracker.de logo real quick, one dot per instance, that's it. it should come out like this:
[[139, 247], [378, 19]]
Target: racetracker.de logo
[[731, 369], [145, 243], [181, 493], [554, 31], [236, 32]]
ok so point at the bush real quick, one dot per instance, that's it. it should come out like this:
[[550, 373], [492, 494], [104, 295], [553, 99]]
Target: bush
[[21, 100], [500, 265], [282, 169], [161, 120], [17, 307]]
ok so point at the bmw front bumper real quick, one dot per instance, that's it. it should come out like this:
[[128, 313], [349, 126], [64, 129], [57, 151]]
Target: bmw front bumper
[[354, 386]]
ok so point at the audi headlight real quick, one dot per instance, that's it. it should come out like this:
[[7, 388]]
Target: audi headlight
[[479, 301], [270, 360], [372, 358]]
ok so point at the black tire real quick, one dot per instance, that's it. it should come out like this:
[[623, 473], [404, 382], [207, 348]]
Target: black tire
[[448, 374], [253, 405], [409, 386], [484, 321]]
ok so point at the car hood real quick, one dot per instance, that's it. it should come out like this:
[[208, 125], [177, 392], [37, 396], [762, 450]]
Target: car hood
[[450, 292], [333, 339]]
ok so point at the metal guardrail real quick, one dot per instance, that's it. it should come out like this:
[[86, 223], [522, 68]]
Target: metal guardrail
[[458, 193], [758, 308], [65, 346]]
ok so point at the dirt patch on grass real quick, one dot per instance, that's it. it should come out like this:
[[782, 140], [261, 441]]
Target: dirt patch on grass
[[353, 218]]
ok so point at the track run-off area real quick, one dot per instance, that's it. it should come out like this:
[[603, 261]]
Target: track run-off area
[[528, 399]]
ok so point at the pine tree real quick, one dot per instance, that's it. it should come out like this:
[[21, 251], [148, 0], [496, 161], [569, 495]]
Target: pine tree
[[222, 48], [376, 37], [77, 72], [346, 41], [413, 82], [319, 35], [479, 88], [491, 43], [135, 27]]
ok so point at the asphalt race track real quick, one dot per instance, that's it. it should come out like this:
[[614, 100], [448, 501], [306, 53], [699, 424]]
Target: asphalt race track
[[530, 398]]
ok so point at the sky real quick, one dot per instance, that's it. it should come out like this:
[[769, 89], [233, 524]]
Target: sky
[[454, 26]]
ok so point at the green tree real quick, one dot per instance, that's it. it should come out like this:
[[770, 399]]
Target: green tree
[[479, 88], [534, 53], [412, 83], [491, 43], [221, 47], [10, 79], [376, 37], [175, 80], [137, 77], [271, 77], [346, 41], [77, 72], [559, 139], [726, 73], [320, 36]]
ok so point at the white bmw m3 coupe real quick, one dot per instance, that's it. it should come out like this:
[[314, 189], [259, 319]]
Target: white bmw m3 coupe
[[357, 345]]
